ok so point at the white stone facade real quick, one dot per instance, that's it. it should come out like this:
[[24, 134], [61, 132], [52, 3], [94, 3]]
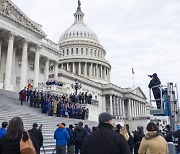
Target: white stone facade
[[26, 56]]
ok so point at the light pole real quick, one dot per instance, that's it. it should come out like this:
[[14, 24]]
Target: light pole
[[76, 86]]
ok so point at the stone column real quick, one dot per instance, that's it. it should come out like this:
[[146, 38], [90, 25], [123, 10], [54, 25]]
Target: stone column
[[79, 70], [67, 66], [104, 103], [62, 66], [133, 107], [101, 72], [85, 69], [123, 108], [9, 58], [56, 71], [91, 70], [96, 70], [138, 109], [109, 74], [24, 64], [14, 68], [0, 52], [111, 106], [129, 108], [46, 71], [105, 72], [73, 65], [135, 103], [36, 66]]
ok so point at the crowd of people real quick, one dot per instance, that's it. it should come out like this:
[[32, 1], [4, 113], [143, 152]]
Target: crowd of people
[[54, 104], [103, 139], [54, 82], [15, 140], [107, 139]]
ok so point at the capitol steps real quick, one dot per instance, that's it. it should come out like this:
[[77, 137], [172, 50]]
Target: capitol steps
[[10, 107]]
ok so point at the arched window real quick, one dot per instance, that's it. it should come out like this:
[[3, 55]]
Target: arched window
[[72, 51]]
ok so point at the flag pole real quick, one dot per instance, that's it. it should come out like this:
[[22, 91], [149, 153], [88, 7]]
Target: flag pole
[[133, 77]]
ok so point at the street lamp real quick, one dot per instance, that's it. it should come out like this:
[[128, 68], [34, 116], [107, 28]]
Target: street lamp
[[76, 86]]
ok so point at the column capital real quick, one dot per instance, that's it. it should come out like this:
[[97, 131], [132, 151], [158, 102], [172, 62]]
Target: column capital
[[37, 47], [47, 58], [25, 42], [11, 35]]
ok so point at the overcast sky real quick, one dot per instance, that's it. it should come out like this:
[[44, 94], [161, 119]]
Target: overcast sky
[[143, 34]]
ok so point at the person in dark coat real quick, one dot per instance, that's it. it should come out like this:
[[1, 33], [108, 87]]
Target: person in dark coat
[[138, 135], [79, 136], [38, 136], [168, 134], [131, 138], [70, 142], [176, 134], [105, 140], [10, 143], [156, 91]]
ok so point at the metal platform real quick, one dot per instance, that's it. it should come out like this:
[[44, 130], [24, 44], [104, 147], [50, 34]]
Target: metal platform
[[158, 112]]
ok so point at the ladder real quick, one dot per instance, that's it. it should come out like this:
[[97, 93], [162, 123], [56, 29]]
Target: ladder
[[169, 103]]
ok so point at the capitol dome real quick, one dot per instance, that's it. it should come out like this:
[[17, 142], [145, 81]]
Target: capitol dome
[[81, 52], [79, 30]]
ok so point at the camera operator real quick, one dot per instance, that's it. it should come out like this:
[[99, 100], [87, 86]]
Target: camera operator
[[156, 91]]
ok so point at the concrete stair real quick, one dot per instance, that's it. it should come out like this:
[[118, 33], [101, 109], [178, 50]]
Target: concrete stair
[[10, 107]]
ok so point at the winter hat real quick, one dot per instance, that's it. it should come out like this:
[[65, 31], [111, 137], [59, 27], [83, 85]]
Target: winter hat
[[154, 75], [104, 117]]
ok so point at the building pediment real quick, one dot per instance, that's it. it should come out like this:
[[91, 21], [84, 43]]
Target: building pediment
[[9, 10], [139, 92]]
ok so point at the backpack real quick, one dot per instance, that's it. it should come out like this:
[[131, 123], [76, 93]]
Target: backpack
[[27, 147], [79, 136]]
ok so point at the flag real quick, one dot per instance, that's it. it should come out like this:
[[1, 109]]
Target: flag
[[133, 71]]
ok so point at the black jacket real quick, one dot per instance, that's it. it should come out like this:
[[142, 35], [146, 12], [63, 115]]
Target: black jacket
[[176, 134], [79, 135], [105, 141], [8, 146], [38, 137], [155, 82]]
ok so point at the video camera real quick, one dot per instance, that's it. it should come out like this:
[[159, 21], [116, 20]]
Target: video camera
[[150, 76]]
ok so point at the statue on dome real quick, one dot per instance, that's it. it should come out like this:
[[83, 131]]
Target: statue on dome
[[79, 5]]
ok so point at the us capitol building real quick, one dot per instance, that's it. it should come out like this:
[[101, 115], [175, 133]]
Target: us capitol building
[[27, 56]]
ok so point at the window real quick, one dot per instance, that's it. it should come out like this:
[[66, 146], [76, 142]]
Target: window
[[19, 63], [82, 51], [67, 51], [91, 51], [71, 51], [42, 70], [31, 67], [86, 51], [76, 50], [63, 52]]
